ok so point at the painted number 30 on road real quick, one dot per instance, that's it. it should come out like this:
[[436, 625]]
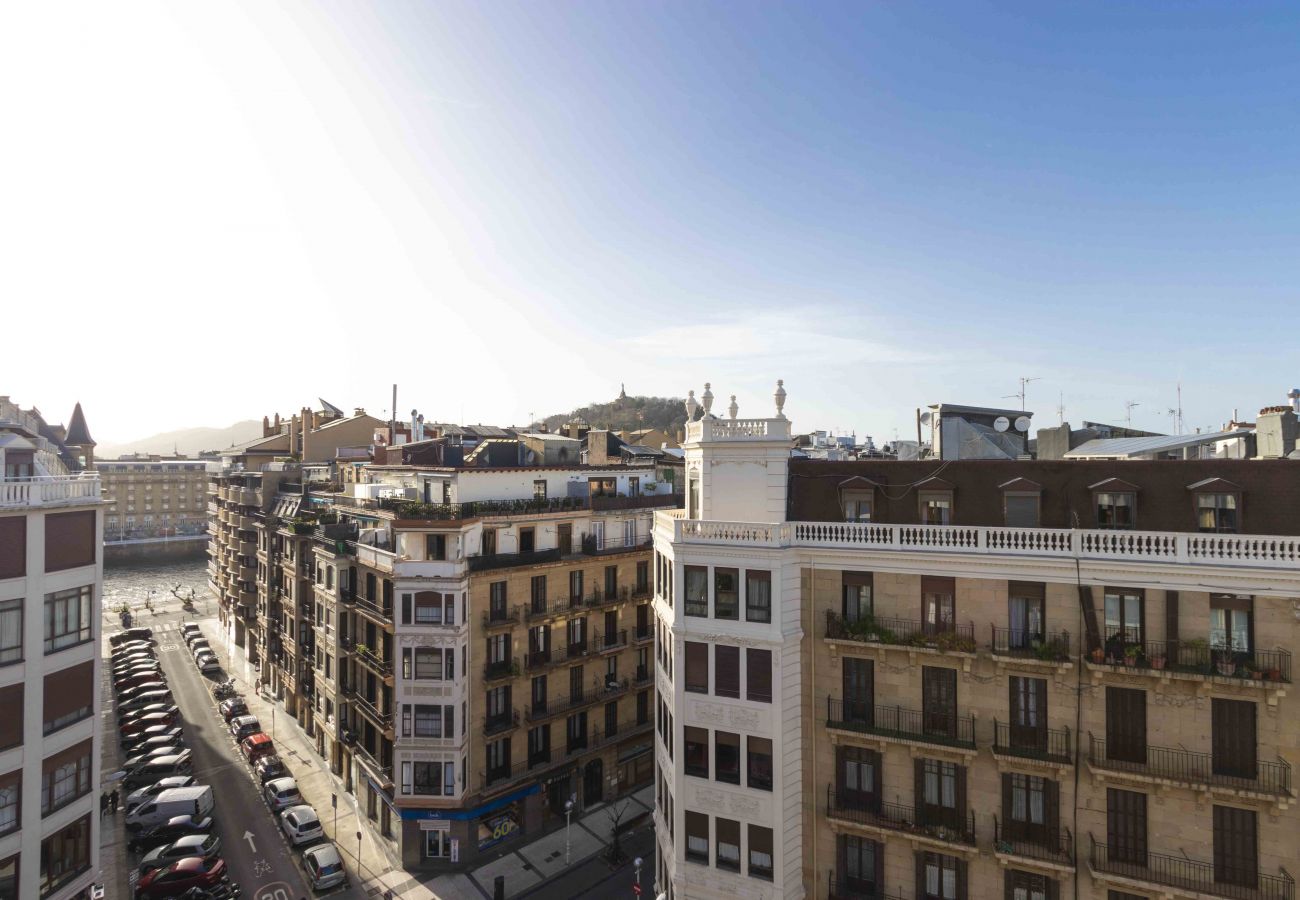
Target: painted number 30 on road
[[276, 891]]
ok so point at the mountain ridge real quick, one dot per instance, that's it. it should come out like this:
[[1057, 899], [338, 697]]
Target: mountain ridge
[[186, 441]]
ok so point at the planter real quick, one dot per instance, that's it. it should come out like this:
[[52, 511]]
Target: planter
[[1274, 674], [1157, 662], [1226, 668], [1098, 655]]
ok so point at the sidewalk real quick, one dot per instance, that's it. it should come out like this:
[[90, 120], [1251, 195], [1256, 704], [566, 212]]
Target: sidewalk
[[527, 868]]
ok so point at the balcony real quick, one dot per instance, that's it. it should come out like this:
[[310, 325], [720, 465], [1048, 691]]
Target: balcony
[[641, 501], [383, 773], [502, 617], [592, 545], [958, 831], [611, 641], [844, 888], [576, 650], [372, 661], [896, 723], [505, 668], [370, 710], [539, 610], [49, 490], [1052, 846], [641, 635], [375, 610], [643, 676], [501, 723], [538, 659], [1019, 645], [1153, 871], [599, 692], [1192, 660], [511, 560], [1047, 745], [909, 635], [1262, 779]]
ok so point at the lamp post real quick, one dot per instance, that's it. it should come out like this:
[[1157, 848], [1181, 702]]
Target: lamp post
[[636, 864], [568, 813]]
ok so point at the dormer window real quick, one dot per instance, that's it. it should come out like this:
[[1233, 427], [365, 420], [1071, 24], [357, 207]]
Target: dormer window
[[935, 499], [857, 499], [1218, 504], [1115, 501], [1021, 503]]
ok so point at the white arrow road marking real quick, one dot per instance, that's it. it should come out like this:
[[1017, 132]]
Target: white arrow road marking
[[248, 836]]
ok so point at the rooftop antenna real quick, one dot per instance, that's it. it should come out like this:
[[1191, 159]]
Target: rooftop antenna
[[1060, 408], [1179, 421], [1021, 393], [1128, 412]]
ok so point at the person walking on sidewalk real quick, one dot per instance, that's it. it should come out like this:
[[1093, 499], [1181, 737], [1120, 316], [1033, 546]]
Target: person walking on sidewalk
[[112, 802], [103, 804]]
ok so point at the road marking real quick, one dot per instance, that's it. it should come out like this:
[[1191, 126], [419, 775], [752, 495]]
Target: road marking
[[276, 890], [248, 836], [167, 648]]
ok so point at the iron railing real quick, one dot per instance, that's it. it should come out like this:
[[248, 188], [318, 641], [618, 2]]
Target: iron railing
[[498, 616], [1190, 875], [957, 829], [611, 640], [1029, 644], [1033, 743], [900, 722], [504, 668], [501, 722], [600, 691], [510, 560], [1051, 844], [1176, 764], [845, 888], [1195, 656], [952, 637]]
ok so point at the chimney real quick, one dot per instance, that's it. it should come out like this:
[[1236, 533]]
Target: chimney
[[293, 435], [266, 427], [277, 423], [308, 426], [597, 447], [1276, 432]]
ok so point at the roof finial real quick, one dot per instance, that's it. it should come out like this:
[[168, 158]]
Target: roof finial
[[707, 397], [780, 398], [734, 407], [691, 406]]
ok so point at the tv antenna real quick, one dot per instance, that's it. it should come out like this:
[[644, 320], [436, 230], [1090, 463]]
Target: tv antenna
[[1021, 393], [1128, 412], [1060, 408]]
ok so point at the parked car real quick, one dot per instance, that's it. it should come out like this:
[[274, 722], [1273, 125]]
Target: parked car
[[190, 627], [132, 715], [132, 659], [138, 759], [300, 823], [136, 738], [195, 800], [205, 846], [147, 662], [235, 706], [208, 663], [154, 679], [145, 695], [135, 798], [127, 651], [161, 767], [141, 723], [163, 834], [130, 634], [173, 740], [268, 767], [242, 726], [324, 866], [180, 876], [256, 746], [281, 793]]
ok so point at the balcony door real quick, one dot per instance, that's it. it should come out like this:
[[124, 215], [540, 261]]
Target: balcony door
[[939, 701], [1126, 725], [941, 793], [860, 863], [1233, 741], [859, 690], [1028, 706], [857, 777], [1030, 808], [1236, 846], [1126, 827]]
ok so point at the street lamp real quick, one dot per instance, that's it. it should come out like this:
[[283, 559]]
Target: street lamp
[[568, 812], [636, 864]]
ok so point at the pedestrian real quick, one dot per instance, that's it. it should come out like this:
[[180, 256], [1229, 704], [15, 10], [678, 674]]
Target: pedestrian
[[112, 802], [103, 804]]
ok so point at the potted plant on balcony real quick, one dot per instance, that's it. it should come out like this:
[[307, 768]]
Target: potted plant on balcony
[[1131, 652], [1157, 661], [1098, 655], [1224, 663]]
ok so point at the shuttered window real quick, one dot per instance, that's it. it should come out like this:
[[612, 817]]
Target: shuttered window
[[1235, 846], [857, 777], [1126, 724], [940, 792], [940, 877], [1126, 826], [860, 863], [1028, 707], [1233, 740], [11, 726], [1028, 886], [859, 690], [939, 701], [1030, 808]]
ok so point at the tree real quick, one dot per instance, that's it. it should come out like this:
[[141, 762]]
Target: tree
[[615, 813]]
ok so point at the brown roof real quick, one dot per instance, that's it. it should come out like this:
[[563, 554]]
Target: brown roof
[[1270, 490]]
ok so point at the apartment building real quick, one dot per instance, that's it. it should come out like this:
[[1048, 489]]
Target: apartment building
[[468, 646], [153, 496], [976, 678], [51, 580]]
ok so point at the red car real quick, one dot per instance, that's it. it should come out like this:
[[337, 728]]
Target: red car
[[180, 876], [140, 724]]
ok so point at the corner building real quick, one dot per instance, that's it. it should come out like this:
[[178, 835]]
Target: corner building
[[990, 678]]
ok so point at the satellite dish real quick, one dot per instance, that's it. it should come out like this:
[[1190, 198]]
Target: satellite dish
[[1001, 423], [1022, 423], [925, 417]]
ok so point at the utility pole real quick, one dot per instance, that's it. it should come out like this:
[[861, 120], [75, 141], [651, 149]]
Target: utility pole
[[1128, 412]]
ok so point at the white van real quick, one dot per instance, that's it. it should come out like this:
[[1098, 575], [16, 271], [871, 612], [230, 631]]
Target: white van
[[195, 801]]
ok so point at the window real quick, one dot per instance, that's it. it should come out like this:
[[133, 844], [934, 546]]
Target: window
[[1028, 886], [1217, 513], [857, 506], [64, 855], [1124, 619], [938, 604], [726, 593], [760, 852], [1235, 846], [428, 663], [435, 546], [539, 744], [69, 696], [538, 593], [697, 667], [575, 586], [697, 751], [527, 540], [758, 595], [940, 877], [497, 601], [758, 675], [575, 683], [858, 777], [67, 618], [936, 507], [697, 591], [1030, 808], [427, 780], [859, 862], [643, 707], [428, 720], [943, 792], [1116, 509], [1231, 622], [429, 609], [726, 671], [65, 777], [1126, 826], [1020, 509], [1126, 724], [1233, 743], [939, 701], [858, 683], [11, 631], [697, 837], [1026, 602], [728, 831], [643, 577], [611, 581], [576, 634], [855, 596], [759, 763], [539, 489], [1028, 705], [726, 757], [11, 792]]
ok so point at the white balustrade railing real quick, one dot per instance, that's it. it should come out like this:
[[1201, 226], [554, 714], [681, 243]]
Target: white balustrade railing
[[1139, 546], [737, 429], [48, 489]]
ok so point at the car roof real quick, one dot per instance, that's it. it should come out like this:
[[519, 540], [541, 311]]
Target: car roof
[[282, 784], [303, 812], [186, 840], [186, 821], [189, 864], [245, 719], [325, 854]]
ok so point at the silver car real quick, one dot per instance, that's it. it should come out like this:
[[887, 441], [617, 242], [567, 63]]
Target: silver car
[[281, 793], [324, 867]]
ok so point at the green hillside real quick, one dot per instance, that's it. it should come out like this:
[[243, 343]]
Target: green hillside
[[628, 414]]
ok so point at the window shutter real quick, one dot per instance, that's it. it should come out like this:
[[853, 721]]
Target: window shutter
[[1008, 884], [918, 787], [961, 879], [877, 767], [1053, 889], [839, 771], [920, 871], [961, 797], [406, 609], [1006, 804], [1052, 807]]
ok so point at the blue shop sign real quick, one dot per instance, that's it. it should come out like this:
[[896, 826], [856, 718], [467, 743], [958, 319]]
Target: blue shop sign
[[415, 815]]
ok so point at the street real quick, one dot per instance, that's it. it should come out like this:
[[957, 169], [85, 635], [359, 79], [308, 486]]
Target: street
[[256, 854]]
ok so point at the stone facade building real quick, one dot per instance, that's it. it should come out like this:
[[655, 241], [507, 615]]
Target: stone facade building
[[153, 496], [974, 679]]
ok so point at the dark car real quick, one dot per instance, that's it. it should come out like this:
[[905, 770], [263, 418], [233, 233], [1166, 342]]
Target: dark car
[[180, 876], [145, 695], [133, 659], [132, 715], [155, 679], [269, 767], [172, 740], [139, 759], [131, 634], [161, 835], [233, 707], [201, 845], [135, 726], [122, 676], [130, 742]]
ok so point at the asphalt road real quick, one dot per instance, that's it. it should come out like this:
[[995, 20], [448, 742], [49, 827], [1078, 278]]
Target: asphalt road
[[256, 854]]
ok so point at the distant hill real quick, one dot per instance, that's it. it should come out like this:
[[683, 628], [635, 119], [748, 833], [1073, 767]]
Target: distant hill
[[628, 414], [187, 441]]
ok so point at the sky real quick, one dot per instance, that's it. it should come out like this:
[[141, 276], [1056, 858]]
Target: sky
[[211, 212]]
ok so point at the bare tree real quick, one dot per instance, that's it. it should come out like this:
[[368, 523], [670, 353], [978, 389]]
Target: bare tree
[[615, 812]]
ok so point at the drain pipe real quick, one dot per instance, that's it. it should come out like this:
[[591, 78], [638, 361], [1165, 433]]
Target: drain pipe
[[812, 707]]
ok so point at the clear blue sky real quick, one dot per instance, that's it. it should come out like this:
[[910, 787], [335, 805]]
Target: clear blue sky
[[885, 204]]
